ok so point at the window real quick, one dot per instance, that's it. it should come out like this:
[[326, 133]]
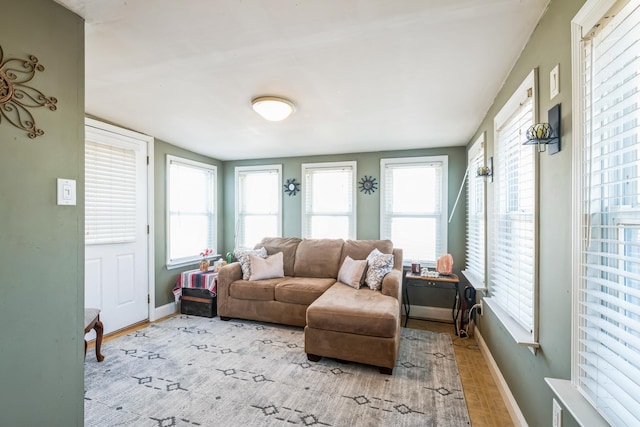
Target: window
[[191, 212], [606, 258], [258, 204], [414, 206], [475, 267], [512, 262], [329, 202]]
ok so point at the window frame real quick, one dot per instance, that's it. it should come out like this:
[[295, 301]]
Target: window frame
[[350, 164], [260, 168], [213, 214], [444, 200], [518, 332], [591, 19], [477, 154]]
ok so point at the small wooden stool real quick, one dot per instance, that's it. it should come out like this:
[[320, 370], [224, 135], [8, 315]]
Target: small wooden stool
[[92, 321]]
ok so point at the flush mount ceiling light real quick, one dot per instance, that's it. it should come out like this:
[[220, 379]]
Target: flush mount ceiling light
[[273, 108]]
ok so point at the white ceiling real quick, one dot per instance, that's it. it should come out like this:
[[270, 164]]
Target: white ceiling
[[365, 75]]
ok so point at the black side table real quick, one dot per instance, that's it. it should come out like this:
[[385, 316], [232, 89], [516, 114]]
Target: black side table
[[442, 281]]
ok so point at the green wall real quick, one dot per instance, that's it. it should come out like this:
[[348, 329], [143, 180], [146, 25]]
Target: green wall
[[165, 279], [368, 205], [524, 372], [41, 243]]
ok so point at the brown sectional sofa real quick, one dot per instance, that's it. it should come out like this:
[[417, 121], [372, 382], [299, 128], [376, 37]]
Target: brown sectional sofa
[[359, 325]]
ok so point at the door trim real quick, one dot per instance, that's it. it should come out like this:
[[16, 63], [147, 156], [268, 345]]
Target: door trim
[[151, 312]]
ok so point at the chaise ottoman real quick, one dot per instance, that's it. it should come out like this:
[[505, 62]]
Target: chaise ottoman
[[357, 325]]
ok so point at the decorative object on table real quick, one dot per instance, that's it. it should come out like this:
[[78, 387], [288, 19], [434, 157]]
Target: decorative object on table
[[444, 265], [368, 184], [545, 135], [415, 267], [204, 263], [291, 187], [218, 264], [16, 97], [229, 257]]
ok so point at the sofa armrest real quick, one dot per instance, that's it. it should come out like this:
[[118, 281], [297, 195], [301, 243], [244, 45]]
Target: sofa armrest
[[226, 276], [392, 284]]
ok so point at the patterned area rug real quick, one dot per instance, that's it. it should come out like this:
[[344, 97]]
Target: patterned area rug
[[195, 371]]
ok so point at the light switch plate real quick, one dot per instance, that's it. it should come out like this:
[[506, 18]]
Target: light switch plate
[[554, 81], [66, 192]]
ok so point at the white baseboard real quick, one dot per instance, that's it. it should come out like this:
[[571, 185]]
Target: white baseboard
[[510, 402], [431, 313], [163, 311]]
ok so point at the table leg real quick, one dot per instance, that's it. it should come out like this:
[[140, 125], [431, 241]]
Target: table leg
[[99, 328], [406, 304], [455, 311]]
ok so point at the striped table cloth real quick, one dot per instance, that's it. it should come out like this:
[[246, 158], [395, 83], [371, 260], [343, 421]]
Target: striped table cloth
[[196, 279]]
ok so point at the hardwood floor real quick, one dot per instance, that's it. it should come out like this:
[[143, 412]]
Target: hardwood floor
[[484, 402]]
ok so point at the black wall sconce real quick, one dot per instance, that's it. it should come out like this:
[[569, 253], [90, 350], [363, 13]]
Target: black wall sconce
[[486, 171], [546, 134]]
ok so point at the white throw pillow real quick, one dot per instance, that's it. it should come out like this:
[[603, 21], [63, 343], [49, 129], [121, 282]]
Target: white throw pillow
[[267, 268], [379, 265], [242, 255], [352, 272]]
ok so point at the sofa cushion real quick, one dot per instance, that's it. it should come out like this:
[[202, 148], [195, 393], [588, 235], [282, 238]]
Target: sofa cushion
[[355, 311], [242, 255], [266, 268], [352, 272], [318, 258], [378, 265], [302, 290], [360, 249], [286, 245], [260, 290]]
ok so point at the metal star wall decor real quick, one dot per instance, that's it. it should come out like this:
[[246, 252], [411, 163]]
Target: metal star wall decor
[[291, 187], [16, 97], [368, 184]]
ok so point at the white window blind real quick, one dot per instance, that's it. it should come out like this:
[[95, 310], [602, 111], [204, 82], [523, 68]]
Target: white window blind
[[258, 204], [414, 206], [191, 219], [475, 266], [512, 263], [110, 194], [329, 200], [607, 368]]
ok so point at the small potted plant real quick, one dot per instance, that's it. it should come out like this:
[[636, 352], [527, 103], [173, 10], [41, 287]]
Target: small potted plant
[[204, 263]]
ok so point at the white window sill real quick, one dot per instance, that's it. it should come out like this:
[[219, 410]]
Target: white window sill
[[478, 284], [579, 407], [191, 262], [519, 334]]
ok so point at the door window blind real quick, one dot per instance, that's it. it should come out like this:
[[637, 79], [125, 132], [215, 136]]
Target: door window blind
[[413, 210], [475, 267], [608, 338], [258, 214], [512, 264], [110, 194], [329, 200]]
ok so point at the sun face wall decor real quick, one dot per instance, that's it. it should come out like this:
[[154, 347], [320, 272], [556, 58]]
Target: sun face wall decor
[[368, 184], [291, 187], [16, 97]]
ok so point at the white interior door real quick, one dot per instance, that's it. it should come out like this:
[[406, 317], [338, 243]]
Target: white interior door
[[116, 239]]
